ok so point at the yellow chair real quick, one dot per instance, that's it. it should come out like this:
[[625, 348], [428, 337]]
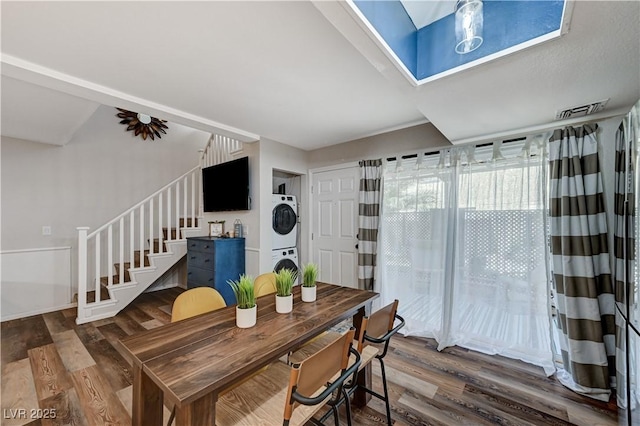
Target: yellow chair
[[196, 301], [265, 284]]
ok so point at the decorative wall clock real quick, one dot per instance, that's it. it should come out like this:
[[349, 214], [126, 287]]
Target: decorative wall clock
[[142, 124]]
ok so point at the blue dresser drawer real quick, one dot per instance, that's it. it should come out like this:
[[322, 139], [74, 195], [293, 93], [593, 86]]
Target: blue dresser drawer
[[198, 277], [204, 245], [200, 259], [213, 261]]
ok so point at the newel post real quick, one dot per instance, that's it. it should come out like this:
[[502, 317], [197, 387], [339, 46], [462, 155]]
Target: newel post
[[82, 273], [199, 184]]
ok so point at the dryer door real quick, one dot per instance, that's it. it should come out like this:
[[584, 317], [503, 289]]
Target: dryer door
[[286, 263], [284, 219]]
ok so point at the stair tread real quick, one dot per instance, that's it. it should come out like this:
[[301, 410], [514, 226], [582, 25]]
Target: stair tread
[[156, 245], [127, 266], [136, 258], [127, 277], [174, 233], [188, 223], [91, 295], [116, 280]]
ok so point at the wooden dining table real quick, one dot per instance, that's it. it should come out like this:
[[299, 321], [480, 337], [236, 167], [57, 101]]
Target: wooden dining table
[[188, 363]]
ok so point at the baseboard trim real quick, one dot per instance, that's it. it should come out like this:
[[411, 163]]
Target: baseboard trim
[[38, 312]]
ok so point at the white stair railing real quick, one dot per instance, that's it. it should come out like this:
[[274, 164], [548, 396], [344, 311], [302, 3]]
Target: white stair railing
[[219, 150], [121, 242], [125, 237]]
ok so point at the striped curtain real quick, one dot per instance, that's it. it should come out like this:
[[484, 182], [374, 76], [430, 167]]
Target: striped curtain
[[368, 220], [624, 248], [581, 269]]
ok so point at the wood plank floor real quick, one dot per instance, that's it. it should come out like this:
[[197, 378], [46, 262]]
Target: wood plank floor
[[52, 364]]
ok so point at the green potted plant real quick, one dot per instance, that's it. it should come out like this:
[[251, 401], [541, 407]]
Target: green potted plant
[[246, 309], [284, 284], [309, 277]]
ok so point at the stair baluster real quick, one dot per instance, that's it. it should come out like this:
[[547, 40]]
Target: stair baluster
[[97, 284], [121, 252], [160, 233], [110, 253], [141, 235], [82, 268]]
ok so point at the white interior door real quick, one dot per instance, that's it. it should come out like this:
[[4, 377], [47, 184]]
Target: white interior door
[[335, 225]]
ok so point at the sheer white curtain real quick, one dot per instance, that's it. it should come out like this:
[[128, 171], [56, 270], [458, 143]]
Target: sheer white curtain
[[462, 246]]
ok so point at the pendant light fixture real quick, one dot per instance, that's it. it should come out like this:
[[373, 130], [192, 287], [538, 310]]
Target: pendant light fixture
[[468, 25]]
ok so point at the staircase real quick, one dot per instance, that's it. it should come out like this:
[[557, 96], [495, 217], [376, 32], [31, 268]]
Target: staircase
[[122, 258]]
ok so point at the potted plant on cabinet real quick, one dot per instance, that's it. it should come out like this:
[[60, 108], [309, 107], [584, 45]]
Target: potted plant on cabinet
[[309, 277], [246, 309], [284, 283]]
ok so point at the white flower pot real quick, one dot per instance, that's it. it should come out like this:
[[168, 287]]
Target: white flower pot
[[284, 304], [246, 318], [308, 294]]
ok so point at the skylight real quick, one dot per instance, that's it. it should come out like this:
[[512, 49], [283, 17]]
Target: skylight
[[421, 37]]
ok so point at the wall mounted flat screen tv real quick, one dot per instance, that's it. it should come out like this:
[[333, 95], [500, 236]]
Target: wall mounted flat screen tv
[[226, 186]]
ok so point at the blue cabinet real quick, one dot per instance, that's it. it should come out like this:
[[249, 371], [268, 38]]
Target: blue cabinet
[[213, 261]]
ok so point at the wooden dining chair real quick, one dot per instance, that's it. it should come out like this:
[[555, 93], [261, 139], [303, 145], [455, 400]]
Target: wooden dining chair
[[378, 329], [302, 389], [318, 371], [265, 284], [196, 301], [375, 333]]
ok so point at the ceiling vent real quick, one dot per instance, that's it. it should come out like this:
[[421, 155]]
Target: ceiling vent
[[581, 110]]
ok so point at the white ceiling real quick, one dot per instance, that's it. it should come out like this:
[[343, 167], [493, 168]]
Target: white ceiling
[[302, 73], [24, 105]]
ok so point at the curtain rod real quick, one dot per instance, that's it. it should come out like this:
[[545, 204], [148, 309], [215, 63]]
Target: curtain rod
[[536, 130], [578, 121], [426, 154]]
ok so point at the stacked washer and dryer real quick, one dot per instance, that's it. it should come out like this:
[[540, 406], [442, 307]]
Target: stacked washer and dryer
[[284, 223]]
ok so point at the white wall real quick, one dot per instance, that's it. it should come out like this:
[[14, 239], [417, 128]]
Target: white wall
[[101, 172], [35, 281], [380, 146]]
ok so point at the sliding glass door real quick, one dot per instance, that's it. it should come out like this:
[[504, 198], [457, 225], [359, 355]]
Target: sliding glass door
[[463, 249]]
